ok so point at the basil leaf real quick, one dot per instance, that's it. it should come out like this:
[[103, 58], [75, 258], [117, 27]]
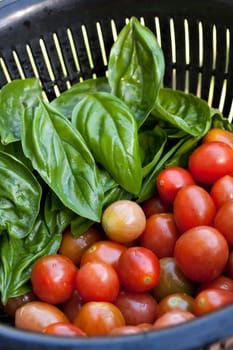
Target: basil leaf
[[184, 111], [79, 225], [57, 216], [152, 143], [59, 154], [14, 97], [69, 98], [18, 255], [20, 195], [110, 131], [136, 68], [218, 120]]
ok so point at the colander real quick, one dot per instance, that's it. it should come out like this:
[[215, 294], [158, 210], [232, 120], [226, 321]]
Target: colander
[[66, 41]]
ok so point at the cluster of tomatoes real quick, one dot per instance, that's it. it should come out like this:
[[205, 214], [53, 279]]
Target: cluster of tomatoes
[[146, 266]]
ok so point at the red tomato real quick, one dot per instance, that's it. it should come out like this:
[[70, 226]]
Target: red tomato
[[193, 206], [218, 134], [97, 281], [223, 221], [53, 278], [222, 190], [201, 253], [210, 161], [160, 234], [36, 315], [180, 301], [171, 180], [123, 221], [72, 305], [98, 318], [64, 329], [229, 265], [15, 302], [138, 269], [211, 299], [155, 205], [126, 330], [73, 247], [172, 318], [137, 307], [105, 251], [221, 282]]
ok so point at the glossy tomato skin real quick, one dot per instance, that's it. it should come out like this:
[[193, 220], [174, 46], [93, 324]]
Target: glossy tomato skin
[[160, 234], [218, 134], [105, 251], [123, 221], [202, 253], [36, 315], [137, 307], [97, 281], [155, 205], [53, 278], [170, 180], [222, 190], [172, 280], [73, 247], [210, 161], [15, 302], [211, 299], [64, 329], [221, 282], [126, 330], [98, 318], [223, 221], [172, 318], [72, 305], [138, 269], [193, 206], [180, 301]]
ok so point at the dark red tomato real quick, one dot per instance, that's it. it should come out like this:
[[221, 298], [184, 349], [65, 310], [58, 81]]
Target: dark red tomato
[[229, 265], [171, 180], [123, 221], [137, 307], [14, 303], [223, 221], [172, 318], [180, 301], [160, 234], [97, 281], [221, 282], [72, 305], [53, 278], [210, 161], [172, 280], [193, 206], [211, 299], [105, 251], [98, 318], [138, 269], [201, 253], [222, 190], [36, 315], [217, 134], [64, 329], [155, 205], [73, 247]]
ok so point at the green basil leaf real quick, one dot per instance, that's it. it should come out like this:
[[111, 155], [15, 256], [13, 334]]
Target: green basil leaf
[[184, 111], [20, 195], [69, 98], [18, 255], [115, 194], [148, 188], [136, 68], [152, 143], [79, 225], [60, 155], [110, 131], [57, 216], [14, 97], [218, 120]]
